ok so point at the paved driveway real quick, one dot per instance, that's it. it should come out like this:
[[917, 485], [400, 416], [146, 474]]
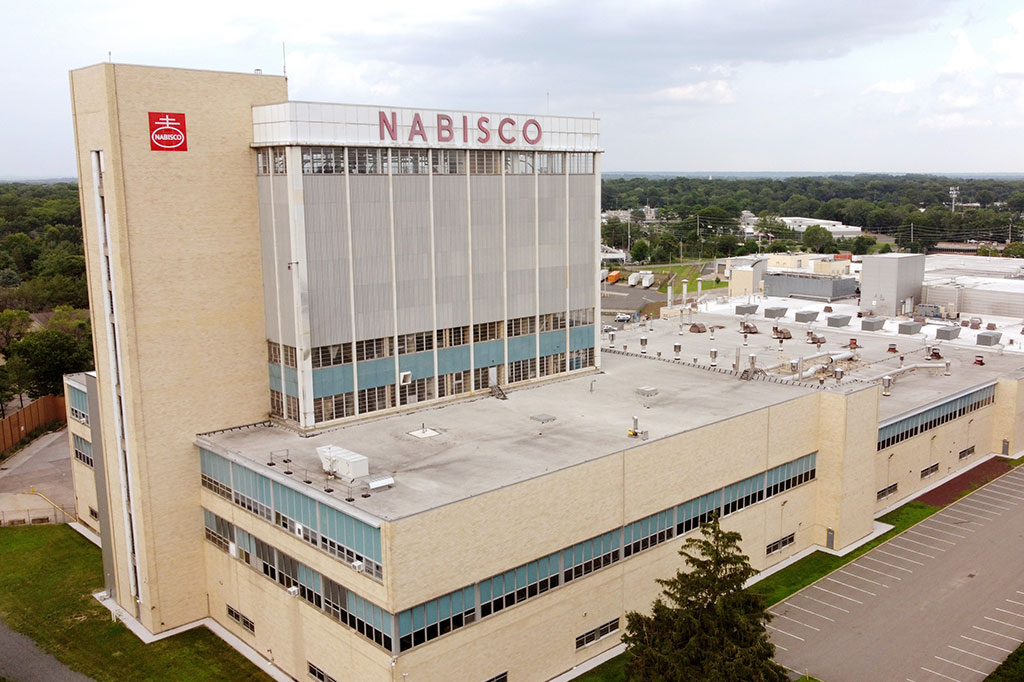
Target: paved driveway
[[943, 601]]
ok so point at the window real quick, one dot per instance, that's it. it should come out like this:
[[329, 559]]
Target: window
[[552, 321], [522, 370], [292, 403], [887, 491], [83, 450], [331, 356], [779, 544], [549, 163], [500, 677], [520, 326], [690, 515], [416, 391], [452, 337], [410, 161], [790, 474], [581, 163], [482, 377], [519, 584], [581, 359], [79, 404], [586, 557], [263, 161], [519, 163], [317, 160], [371, 349], [966, 452], [289, 356], [93, 514], [581, 317], [415, 343], [435, 618], [451, 384], [552, 364], [273, 352], [915, 424], [278, 162], [648, 532], [928, 471], [484, 162], [597, 633], [276, 404], [368, 161], [486, 331], [218, 531], [379, 398], [448, 162], [318, 674], [235, 615], [333, 407]]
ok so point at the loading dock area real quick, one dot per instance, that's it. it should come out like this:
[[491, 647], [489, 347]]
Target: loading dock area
[[942, 601]]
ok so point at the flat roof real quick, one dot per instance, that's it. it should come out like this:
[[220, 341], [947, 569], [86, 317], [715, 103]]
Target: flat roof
[[483, 444]]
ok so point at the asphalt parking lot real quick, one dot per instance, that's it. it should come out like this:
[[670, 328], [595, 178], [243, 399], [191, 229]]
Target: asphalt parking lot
[[943, 601]]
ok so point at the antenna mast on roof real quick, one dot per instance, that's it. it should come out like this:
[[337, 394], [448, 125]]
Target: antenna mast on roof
[[284, 61]]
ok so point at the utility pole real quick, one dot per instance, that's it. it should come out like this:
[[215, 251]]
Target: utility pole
[[954, 192], [911, 232]]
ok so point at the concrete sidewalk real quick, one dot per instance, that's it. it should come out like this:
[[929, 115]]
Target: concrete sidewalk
[[43, 465]]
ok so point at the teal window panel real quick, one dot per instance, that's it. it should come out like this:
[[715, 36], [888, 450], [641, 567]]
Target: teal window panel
[[451, 360], [82, 445], [214, 466], [291, 382], [275, 378], [79, 400], [332, 381], [420, 364], [251, 484], [489, 353], [295, 505], [522, 347], [374, 373], [581, 337], [552, 342]]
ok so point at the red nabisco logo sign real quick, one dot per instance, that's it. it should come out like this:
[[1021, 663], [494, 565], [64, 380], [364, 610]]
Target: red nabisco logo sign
[[167, 132]]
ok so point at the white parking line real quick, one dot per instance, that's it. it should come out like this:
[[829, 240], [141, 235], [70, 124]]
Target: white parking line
[[914, 551], [939, 674], [1018, 603], [1009, 651], [1001, 485], [792, 605], [1006, 481], [951, 525], [904, 538], [962, 521], [971, 653], [836, 594], [959, 665], [874, 571], [823, 603], [779, 615], [902, 558], [984, 504], [898, 568], [1003, 622], [980, 516], [779, 646], [1018, 592], [839, 582], [932, 537], [786, 633], [990, 495], [993, 632], [867, 580], [1012, 613]]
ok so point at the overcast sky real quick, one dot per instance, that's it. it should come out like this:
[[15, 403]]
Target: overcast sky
[[684, 85]]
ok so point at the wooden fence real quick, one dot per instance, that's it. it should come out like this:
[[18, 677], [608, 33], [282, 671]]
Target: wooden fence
[[16, 428]]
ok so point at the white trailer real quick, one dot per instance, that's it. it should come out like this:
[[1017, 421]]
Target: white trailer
[[634, 279], [647, 281]]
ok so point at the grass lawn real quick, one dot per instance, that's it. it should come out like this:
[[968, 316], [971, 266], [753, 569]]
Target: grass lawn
[[49, 575]]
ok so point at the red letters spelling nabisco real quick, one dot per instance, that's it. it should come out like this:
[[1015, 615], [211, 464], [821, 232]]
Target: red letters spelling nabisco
[[167, 132], [508, 130]]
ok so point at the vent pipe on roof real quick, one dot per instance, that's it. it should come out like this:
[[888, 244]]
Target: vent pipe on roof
[[744, 339], [838, 373], [736, 362], [753, 361], [611, 339], [676, 349], [643, 345], [886, 385], [714, 357], [636, 424], [946, 373]]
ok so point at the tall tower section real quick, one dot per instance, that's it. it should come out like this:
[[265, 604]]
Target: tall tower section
[[172, 243]]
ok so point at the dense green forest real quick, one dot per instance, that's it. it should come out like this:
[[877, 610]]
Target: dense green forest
[[42, 269], [913, 209]]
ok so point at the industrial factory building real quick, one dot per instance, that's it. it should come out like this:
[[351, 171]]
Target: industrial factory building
[[351, 403]]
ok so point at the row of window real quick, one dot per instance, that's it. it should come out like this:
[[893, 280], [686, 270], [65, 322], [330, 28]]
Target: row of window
[[337, 533], [236, 615], [781, 543], [966, 452], [928, 471], [345, 606], [597, 633], [887, 491], [83, 450], [79, 404], [908, 427], [278, 354], [317, 674], [381, 161], [435, 618], [284, 406], [537, 577]]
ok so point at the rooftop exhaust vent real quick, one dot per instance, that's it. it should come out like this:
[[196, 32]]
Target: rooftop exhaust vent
[[543, 418], [381, 481], [647, 391]]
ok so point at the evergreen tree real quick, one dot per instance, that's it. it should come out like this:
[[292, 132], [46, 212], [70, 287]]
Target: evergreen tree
[[705, 626]]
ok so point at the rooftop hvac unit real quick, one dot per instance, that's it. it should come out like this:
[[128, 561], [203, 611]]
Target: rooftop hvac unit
[[338, 461]]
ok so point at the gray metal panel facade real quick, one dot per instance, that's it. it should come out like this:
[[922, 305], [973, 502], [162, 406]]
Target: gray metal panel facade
[[282, 237], [371, 262], [451, 245], [488, 251], [263, 187], [327, 255], [552, 246], [582, 236], [412, 253], [520, 240]]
